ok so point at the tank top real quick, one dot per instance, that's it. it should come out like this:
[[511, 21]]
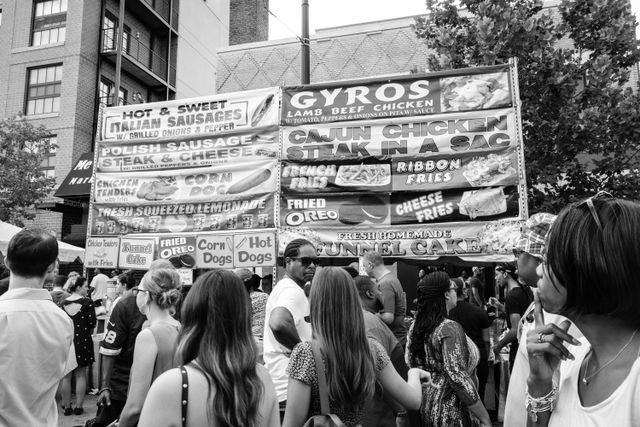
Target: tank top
[[166, 338]]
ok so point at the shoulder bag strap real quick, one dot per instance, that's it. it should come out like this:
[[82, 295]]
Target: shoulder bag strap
[[322, 379], [185, 394]]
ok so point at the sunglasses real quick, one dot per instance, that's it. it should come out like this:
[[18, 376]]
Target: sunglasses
[[592, 208], [307, 260], [135, 290], [517, 252]]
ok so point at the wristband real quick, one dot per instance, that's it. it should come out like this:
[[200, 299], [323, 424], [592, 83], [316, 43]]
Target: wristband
[[104, 389], [536, 405]]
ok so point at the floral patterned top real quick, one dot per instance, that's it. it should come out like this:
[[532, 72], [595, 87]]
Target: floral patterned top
[[451, 358], [302, 367], [258, 310]]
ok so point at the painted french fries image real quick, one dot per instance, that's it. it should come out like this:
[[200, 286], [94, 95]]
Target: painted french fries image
[[250, 182]]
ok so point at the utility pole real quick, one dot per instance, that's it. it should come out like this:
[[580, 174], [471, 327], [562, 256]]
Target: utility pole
[[305, 42]]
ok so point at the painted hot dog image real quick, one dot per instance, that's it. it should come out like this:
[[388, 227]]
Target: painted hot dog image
[[250, 182]]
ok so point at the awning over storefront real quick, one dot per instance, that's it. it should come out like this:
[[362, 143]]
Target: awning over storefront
[[78, 181]]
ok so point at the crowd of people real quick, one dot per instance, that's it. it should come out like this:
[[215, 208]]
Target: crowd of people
[[331, 345]]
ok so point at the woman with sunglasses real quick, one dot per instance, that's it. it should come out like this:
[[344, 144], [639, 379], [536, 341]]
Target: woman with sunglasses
[[440, 346], [591, 277], [221, 383], [353, 363], [156, 297]]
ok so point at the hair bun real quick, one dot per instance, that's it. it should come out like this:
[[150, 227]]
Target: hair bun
[[169, 298]]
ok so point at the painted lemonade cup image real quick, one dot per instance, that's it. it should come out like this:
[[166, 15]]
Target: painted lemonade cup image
[[111, 227], [247, 221]]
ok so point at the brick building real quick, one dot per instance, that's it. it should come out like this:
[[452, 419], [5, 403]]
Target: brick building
[[58, 65]]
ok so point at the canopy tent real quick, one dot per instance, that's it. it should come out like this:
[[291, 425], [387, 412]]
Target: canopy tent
[[66, 252]]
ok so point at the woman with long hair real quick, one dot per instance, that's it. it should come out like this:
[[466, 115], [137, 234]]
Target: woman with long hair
[[221, 383], [440, 346], [590, 276], [156, 296], [82, 312], [353, 363]]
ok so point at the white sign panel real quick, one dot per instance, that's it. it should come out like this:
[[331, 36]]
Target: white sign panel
[[214, 251], [101, 253], [255, 250], [136, 253]]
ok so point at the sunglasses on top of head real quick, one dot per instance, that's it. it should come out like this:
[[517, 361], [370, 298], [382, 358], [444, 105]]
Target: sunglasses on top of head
[[307, 260]]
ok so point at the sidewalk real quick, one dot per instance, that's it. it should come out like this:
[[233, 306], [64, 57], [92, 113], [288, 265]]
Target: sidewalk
[[90, 409]]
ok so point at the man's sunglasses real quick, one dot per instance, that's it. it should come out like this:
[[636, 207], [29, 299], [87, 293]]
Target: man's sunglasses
[[307, 260]]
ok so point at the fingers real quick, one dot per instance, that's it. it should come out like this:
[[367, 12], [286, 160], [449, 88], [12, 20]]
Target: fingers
[[537, 309], [558, 331]]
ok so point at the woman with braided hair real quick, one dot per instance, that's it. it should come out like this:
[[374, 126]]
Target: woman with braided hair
[[439, 346]]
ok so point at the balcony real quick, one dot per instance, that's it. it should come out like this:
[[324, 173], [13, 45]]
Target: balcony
[[138, 59], [156, 14]]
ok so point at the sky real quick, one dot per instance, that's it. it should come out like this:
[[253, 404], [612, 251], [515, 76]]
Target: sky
[[333, 13]]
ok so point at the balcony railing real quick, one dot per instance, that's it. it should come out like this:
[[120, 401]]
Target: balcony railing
[[137, 51], [107, 101]]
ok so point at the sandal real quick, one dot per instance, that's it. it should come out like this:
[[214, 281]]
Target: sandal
[[78, 411], [67, 410]]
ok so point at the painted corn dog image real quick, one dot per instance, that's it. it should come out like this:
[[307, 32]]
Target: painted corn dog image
[[250, 182]]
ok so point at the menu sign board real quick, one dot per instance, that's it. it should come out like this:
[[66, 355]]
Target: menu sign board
[[101, 253], [136, 253], [441, 151]]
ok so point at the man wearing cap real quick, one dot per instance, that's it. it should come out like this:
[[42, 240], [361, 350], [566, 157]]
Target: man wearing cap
[[529, 255], [516, 301]]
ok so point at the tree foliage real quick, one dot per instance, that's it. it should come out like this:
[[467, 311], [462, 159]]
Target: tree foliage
[[581, 125], [23, 148]]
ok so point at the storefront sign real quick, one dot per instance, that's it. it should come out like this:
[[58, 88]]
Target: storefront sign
[[255, 250], [187, 153], [414, 136], [243, 213], [101, 252], [226, 182], [187, 118], [214, 251], [495, 238], [136, 253], [480, 88], [181, 250]]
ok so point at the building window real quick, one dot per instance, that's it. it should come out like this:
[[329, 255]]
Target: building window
[[48, 165], [110, 31], [106, 93], [43, 91], [49, 22]]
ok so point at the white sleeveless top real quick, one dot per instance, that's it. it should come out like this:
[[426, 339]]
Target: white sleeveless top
[[621, 409]]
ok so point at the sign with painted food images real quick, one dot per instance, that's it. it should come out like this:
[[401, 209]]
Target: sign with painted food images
[[180, 250], [136, 253], [242, 213], [454, 205], [226, 182], [343, 210], [475, 131], [410, 95], [101, 252], [187, 118], [189, 152], [335, 176]]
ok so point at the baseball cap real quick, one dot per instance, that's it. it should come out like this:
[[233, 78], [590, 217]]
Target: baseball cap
[[243, 273], [534, 234]]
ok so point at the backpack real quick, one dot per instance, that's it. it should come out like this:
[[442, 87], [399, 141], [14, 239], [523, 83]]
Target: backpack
[[326, 419]]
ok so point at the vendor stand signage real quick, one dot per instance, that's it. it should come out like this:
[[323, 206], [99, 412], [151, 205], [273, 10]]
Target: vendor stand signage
[[182, 118], [471, 89], [415, 166], [180, 250], [236, 250], [101, 252], [136, 253]]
